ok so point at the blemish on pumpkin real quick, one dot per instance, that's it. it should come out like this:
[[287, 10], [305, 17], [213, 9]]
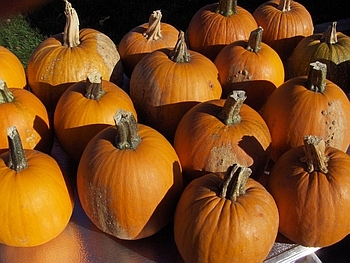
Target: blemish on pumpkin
[[110, 56]]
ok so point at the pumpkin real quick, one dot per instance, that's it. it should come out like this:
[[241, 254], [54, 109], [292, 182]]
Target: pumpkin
[[286, 22], [215, 133], [35, 203], [86, 108], [244, 61], [310, 184], [225, 218], [11, 70], [308, 104], [129, 179], [23, 109], [166, 83], [11, 7], [331, 48], [144, 39], [66, 58], [216, 25]]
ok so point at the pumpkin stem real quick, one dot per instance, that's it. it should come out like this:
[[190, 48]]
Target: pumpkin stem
[[317, 77], [330, 35], [232, 107], [227, 7], [71, 29], [234, 182], [94, 89], [315, 154], [180, 52], [127, 130], [254, 41], [153, 31], [17, 159], [5, 94], [284, 5]]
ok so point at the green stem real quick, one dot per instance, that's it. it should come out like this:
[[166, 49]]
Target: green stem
[[284, 5], [17, 159], [71, 29], [227, 7], [317, 77], [254, 41], [232, 107], [330, 35], [153, 31], [180, 52], [5, 94], [127, 130], [94, 89]]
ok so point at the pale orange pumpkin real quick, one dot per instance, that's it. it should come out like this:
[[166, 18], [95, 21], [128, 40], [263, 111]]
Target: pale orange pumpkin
[[11, 69]]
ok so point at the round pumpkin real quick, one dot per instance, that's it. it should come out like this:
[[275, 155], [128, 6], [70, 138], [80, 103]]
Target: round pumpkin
[[144, 39], [331, 48], [35, 203], [216, 25], [11, 70], [311, 186], [86, 108], [66, 58], [23, 109], [286, 22], [225, 218], [13, 7], [166, 83], [129, 179]]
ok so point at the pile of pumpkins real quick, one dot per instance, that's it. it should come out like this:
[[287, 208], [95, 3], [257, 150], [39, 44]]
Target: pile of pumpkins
[[235, 130]]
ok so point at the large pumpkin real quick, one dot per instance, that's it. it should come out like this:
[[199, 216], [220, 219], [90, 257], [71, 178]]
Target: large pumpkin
[[308, 104], [66, 58], [86, 108], [311, 186], [129, 179], [225, 218], [215, 25], [11, 69], [331, 48], [35, 204], [166, 83]]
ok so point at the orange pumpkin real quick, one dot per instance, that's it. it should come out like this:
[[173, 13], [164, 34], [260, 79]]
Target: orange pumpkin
[[144, 39], [129, 179], [225, 218], [86, 108], [307, 105], [23, 109], [216, 25], [311, 186], [12, 7], [11, 70], [35, 204], [286, 22], [166, 83], [63, 59]]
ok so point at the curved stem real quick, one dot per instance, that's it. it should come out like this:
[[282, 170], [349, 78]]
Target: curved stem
[[330, 35], [5, 94], [71, 29], [227, 7], [315, 154], [254, 41], [17, 159], [127, 130], [317, 77], [94, 89], [153, 31], [284, 5], [234, 182], [180, 52], [232, 107]]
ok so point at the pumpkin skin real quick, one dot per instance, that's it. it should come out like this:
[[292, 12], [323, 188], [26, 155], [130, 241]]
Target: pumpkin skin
[[312, 205], [11, 70], [209, 228], [144, 39], [216, 25], [36, 204], [294, 110], [286, 22], [58, 63], [78, 118], [129, 193], [331, 48]]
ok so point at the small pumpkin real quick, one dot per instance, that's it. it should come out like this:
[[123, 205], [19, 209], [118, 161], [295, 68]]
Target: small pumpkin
[[129, 179], [86, 108], [216, 25], [35, 203], [225, 217], [11, 69], [311, 186], [66, 58]]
